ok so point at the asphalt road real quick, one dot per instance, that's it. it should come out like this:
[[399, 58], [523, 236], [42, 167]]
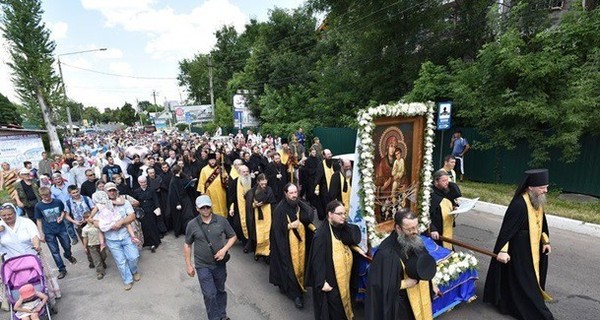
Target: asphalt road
[[166, 291]]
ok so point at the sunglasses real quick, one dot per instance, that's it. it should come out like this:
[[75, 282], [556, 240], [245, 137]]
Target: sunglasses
[[91, 174]]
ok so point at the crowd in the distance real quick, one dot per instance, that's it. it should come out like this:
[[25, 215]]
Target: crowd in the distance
[[126, 190]]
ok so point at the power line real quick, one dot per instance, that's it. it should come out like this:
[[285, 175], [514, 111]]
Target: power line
[[118, 75]]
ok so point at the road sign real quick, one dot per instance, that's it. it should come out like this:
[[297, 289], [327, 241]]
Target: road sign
[[444, 120], [188, 118]]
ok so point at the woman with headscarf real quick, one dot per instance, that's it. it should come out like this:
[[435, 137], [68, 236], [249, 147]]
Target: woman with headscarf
[[21, 237]]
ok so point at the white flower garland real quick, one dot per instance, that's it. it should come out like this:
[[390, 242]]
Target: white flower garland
[[450, 269], [366, 151]]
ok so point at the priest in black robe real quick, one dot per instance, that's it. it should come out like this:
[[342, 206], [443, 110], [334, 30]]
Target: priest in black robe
[[182, 208], [516, 279], [236, 203], [277, 177], [394, 290], [291, 234], [329, 269], [309, 176], [260, 202], [165, 175], [442, 203], [323, 183]]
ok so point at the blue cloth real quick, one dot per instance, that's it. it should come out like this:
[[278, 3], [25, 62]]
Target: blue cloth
[[126, 256], [460, 290], [212, 283], [52, 240], [48, 213]]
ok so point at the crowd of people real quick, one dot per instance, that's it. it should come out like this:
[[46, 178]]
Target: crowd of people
[[286, 205]]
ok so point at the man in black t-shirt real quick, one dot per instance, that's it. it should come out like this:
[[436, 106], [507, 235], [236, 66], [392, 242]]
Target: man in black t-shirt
[[111, 169]]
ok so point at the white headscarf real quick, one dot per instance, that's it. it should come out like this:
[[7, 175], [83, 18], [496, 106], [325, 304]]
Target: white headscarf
[[101, 198]]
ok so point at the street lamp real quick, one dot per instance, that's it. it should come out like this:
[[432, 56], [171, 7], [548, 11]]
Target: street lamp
[[62, 81]]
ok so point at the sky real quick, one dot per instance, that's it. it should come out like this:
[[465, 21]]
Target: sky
[[144, 41]]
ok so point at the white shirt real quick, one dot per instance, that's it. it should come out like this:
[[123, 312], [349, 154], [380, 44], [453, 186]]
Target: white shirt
[[17, 241]]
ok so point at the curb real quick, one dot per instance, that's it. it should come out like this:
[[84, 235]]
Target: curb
[[576, 226]]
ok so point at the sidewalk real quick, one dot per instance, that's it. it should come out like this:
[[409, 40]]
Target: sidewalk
[[576, 226]]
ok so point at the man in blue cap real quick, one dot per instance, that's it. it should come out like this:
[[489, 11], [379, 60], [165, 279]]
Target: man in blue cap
[[206, 232]]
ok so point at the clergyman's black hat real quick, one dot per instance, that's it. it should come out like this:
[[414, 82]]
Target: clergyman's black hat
[[533, 178], [421, 267], [212, 155]]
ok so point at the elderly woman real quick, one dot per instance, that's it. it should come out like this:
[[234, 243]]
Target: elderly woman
[[21, 237]]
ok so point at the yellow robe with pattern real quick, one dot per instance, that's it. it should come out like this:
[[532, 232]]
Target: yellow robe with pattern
[[216, 191]]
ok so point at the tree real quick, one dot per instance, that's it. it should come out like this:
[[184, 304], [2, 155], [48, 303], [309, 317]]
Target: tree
[[8, 112], [91, 114], [538, 87], [193, 75], [223, 114], [31, 51], [127, 114]]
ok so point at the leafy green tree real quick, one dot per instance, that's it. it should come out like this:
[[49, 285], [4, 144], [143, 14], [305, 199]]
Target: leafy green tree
[[539, 88], [31, 52], [223, 114], [8, 112], [146, 106], [127, 114], [193, 75], [92, 114]]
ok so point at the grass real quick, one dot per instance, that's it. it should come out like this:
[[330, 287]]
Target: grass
[[4, 196], [503, 193]]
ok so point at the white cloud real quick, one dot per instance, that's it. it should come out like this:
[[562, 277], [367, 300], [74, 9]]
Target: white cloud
[[6, 85], [171, 35], [58, 30]]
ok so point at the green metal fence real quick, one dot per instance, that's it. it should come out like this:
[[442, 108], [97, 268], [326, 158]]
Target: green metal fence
[[496, 165], [507, 166]]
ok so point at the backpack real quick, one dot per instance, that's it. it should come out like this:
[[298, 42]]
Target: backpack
[[85, 199]]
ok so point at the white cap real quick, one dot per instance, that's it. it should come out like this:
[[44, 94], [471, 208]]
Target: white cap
[[110, 186], [203, 201], [25, 171]]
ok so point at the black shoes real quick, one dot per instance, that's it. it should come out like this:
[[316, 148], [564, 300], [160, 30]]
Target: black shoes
[[92, 266], [299, 303], [153, 249], [72, 260], [62, 274]]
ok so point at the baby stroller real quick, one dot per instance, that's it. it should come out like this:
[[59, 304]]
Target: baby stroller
[[21, 270]]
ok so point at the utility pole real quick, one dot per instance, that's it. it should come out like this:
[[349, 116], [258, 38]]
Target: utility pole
[[210, 81], [154, 93]]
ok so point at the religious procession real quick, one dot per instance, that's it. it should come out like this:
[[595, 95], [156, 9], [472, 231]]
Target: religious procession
[[290, 208], [299, 159]]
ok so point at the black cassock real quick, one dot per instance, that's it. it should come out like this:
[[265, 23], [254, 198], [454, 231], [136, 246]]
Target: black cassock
[[328, 305], [179, 196], [385, 300], [164, 199], [309, 175], [266, 197], [435, 211], [326, 195], [513, 287], [281, 270], [148, 202], [277, 184], [234, 220]]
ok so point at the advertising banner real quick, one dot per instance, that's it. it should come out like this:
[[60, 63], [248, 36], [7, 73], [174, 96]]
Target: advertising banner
[[15, 149]]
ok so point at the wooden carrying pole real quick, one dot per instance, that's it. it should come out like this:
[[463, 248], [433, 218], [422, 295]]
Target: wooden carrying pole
[[468, 246]]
